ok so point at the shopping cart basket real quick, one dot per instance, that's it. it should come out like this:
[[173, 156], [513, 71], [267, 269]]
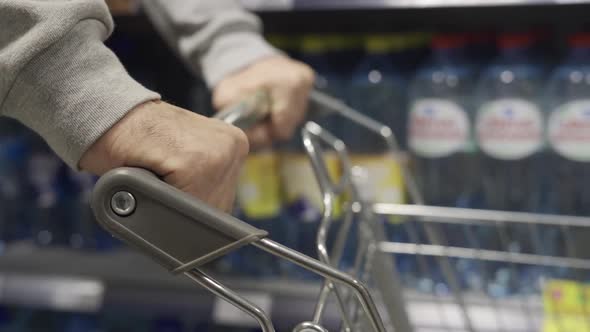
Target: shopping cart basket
[[518, 248], [182, 233]]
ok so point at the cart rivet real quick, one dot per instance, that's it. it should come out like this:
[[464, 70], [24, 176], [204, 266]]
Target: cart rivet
[[123, 203]]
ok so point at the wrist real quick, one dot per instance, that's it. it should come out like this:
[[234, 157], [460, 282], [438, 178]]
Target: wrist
[[110, 150]]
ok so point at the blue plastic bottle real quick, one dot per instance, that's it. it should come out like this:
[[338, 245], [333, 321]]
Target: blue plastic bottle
[[301, 193], [377, 88], [440, 136], [85, 233], [49, 210], [81, 323], [43, 321], [14, 223], [568, 123], [509, 124], [568, 135], [259, 198], [167, 325], [510, 135], [439, 123]]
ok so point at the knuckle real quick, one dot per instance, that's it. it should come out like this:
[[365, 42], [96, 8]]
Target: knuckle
[[284, 131], [217, 160], [234, 142], [308, 74], [240, 143]]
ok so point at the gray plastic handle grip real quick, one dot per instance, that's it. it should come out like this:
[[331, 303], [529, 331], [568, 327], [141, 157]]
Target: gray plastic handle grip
[[172, 227]]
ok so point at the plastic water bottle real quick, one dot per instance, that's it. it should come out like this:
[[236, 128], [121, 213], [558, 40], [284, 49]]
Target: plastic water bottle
[[568, 135], [47, 174], [568, 129], [440, 135], [439, 123], [14, 225], [84, 233], [167, 325], [81, 323], [509, 128], [302, 197], [510, 125], [43, 321], [259, 199], [377, 89]]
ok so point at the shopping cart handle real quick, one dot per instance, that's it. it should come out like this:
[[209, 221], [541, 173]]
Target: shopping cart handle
[[172, 227], [248, 112], [256, 108]]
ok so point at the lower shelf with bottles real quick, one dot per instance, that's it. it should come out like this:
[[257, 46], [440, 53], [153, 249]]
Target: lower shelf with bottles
[[124, 291]]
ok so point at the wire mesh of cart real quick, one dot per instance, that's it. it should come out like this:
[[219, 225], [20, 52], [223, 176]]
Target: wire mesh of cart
[[453, 269], [182, 233]]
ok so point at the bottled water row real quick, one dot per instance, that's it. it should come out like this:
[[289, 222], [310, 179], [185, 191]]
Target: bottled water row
[[490, 121], [42, 201], [112, 320], [510, 135]]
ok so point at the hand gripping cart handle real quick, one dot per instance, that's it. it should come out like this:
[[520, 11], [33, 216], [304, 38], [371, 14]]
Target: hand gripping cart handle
[[182, 233]]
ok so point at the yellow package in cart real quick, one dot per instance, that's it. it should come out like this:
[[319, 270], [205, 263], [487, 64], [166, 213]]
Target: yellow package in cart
[[259, 191], [379, 178], [566, 306], [299, 181]]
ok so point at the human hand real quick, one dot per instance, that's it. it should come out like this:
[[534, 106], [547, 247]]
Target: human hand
[[198, 155], [288, 83]]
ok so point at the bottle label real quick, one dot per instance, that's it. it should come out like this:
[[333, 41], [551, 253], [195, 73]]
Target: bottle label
[[510, 128], [565, 306], [300, 183], [569, 130], [259, 193], [437, 128], [378, 178]]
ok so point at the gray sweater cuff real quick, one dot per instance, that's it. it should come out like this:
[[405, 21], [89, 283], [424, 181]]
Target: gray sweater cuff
[[75, 91], [231, 52]]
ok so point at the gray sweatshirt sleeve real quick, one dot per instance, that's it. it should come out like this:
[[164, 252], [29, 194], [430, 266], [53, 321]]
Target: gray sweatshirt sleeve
[[56, 75], [215, 37]]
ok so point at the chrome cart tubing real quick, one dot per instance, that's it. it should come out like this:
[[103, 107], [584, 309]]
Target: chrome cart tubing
[[360, 290], [132, 203], [249, 111], [226, 294], [314, 137], [338, 107], [309, 327], [256, 108], [500, 220], [450, 215], [484, 255], [320, 100], [371, 249], [328, 286]]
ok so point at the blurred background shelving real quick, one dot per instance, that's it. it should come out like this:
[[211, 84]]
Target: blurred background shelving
[[95, 280]]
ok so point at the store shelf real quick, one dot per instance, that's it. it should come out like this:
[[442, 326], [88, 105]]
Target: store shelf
[[367, 16], [60, 279], [437, 16], [289, 5], [74, 281]]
